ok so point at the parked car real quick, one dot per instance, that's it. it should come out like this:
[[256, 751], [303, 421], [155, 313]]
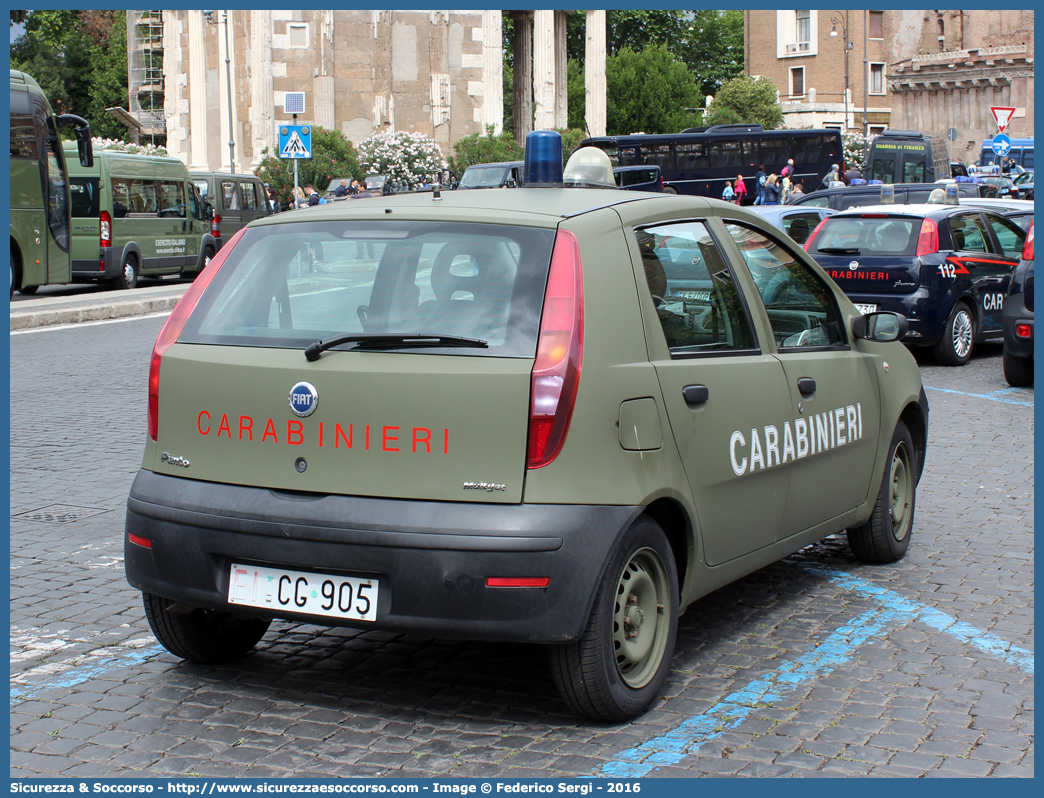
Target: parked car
[[505, 174], [1006, 188], [1024, 183], [1018, 321], [329, 193], [135, 215], [237, 199], [592, 366], [841, 197], [797, 222], [946, 268], [639, 178]]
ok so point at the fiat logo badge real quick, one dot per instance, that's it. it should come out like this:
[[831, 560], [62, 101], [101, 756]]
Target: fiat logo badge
[[304, 399], [853, 265]]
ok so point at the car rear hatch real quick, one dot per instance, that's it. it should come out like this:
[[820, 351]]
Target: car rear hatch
[[874, 253], [430, 400]]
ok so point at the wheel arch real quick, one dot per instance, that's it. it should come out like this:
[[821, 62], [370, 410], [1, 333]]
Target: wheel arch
[[16, 255], [676, 525], [915, 417]]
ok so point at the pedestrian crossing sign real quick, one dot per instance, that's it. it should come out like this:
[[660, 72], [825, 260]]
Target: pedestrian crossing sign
[[295, 141]]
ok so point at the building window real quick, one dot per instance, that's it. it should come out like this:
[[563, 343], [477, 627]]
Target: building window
[[297, 35], [797, 82], [877, 78], [876, 25], [804, 30]]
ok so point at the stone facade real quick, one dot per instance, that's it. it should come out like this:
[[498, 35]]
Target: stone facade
[[362, 72]]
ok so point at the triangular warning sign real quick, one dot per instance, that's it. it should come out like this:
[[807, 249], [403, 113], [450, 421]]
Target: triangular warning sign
[[294, 147], [1002, 115]]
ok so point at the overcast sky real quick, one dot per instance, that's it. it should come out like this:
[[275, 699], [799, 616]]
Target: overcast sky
[[17, 30]]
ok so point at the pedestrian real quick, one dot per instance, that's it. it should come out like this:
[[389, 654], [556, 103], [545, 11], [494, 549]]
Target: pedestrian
[[364, 191], [852, 174], [771, 190], [788, 170], [341, 190], [1006, 165], [300, 201], [785, 186], [727, 194], [312, 194], [353, 189], [740, 191], [273, 201], [759, 181], [831, 176], [796, 192]]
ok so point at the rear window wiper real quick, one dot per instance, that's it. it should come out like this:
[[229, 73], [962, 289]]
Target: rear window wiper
[[838, 250], [392, 341]]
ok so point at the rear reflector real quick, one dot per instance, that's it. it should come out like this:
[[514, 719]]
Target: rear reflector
[[560, 349], [145, 543], [512, 581], [928, 240], [1023, 330], [176, 323]]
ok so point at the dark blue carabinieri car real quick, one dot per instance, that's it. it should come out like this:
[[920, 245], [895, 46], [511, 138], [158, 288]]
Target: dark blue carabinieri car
[[1018, 321], [945, 267]]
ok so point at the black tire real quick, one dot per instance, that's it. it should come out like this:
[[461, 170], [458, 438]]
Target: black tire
[[602, 675], [14, 275], [128, 276], [885, 536], [958, 338], [208, 255], [28, 289], [204, 636], [1018, 371], [670, 190]]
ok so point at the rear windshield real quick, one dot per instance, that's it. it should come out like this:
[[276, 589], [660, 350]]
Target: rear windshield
[[870, 236], [287, 286]]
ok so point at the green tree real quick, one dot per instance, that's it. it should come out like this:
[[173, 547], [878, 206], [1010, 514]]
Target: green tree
[[650, 92], [750, 101], [333, 156], [713, 47], [488, 147], [576, 92]]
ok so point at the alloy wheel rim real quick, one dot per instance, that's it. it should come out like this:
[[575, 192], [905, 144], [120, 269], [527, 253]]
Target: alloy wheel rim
[[962, 334], [900, 490], [641, 618], [128, 273]]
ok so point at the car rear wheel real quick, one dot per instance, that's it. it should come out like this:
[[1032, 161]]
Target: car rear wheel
[[670, 190], [204, 636], [128, 276], [885, 536], [616, 668], [955, 346], [1018, 371]]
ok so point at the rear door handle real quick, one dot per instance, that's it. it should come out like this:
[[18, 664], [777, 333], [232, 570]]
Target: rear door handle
[[695, 394], [806, 385]]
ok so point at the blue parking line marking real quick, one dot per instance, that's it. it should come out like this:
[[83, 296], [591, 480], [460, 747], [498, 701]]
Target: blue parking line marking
[[994, 396], [84, 673], [838, 647]]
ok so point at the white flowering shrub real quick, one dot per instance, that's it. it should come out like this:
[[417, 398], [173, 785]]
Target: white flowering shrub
[[118, 145], [856, 146], [403, 157]]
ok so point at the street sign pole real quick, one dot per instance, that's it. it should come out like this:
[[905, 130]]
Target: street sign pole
[[293, 202]]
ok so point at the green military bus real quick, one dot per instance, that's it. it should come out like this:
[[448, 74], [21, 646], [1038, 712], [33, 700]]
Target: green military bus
[[136, 215], [40, 221]]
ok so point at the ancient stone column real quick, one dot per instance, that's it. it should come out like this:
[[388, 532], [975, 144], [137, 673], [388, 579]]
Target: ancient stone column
[[561, 72], [323, 83], [493, 70], [262, 101], [523, 76], [544, 69], [594, 73], [197, 122]]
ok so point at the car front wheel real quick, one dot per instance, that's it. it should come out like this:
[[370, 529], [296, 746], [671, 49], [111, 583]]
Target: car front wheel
[[616, 668], [885, 536], [203, 636]]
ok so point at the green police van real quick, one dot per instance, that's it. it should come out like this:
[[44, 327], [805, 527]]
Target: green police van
[[136, 215], [39, 199]]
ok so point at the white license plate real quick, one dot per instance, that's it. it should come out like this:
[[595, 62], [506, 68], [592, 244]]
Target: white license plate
[[302, 592], [864, 309]]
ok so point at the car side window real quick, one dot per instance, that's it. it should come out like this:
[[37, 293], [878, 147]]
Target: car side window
[[799, 226], [800, 306], [968, 233], [171, 198], [816, 202], [1010, 236], [697, 302], [249, 196], [229, 195]]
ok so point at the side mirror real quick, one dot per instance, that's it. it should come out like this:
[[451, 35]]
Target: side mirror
[[208, 210], [84, 147], [883, 326]]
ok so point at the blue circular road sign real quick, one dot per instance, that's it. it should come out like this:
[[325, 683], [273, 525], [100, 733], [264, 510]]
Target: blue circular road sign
[[1001, 144]]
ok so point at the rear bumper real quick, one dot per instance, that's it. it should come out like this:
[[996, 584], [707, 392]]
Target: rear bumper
[[1014, 313], [926, 309], [431, 559]]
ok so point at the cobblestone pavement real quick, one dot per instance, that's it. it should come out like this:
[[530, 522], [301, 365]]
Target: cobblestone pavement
[[814, 666]]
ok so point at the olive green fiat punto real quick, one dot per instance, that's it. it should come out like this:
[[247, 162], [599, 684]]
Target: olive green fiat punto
[[555, 415]]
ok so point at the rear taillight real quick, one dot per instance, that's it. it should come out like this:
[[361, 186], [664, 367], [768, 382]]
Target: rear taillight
[[661, 183], [560, 349], [1027, 248], [105, 228], [215, 226], [176, 323], [1023, 330], [811, 238], [928, 240]]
